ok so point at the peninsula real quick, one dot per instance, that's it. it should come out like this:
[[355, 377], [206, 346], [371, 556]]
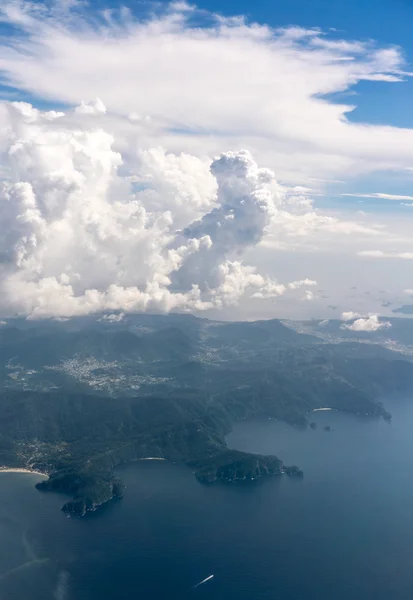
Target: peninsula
[[79, 398]]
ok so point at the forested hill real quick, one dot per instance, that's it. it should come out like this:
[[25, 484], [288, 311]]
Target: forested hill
[[82, 396]]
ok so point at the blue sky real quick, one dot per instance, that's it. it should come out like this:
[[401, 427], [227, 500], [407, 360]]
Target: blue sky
[[386, 20]]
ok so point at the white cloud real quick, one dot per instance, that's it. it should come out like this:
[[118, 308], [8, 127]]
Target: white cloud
[[100, 208], [382, 254], [380, 196], [87, 229], [113, 317], [349, 315], [304, 228], [234, 279], [368, 324], [295, 285], [308, 295], [91, 108], [228, 84], [372, 253]]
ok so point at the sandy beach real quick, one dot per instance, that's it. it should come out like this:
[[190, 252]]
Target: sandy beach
[[19, 470]]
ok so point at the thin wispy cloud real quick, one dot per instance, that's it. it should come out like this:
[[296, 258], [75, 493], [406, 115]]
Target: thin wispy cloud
[[383, 254], [379, 196]]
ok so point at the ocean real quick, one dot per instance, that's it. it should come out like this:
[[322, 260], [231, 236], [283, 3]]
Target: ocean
[[345, 531]]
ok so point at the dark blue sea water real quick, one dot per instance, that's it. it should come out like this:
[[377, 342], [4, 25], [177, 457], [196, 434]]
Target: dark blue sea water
[[343, 532]]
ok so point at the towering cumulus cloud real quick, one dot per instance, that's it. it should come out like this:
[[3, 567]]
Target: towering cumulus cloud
[[86, 229], [247, 198]]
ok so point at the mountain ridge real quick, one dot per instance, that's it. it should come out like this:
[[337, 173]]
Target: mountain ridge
[[170, 388]]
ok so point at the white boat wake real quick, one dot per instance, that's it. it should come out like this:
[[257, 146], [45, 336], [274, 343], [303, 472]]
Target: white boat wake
[[203, 581]]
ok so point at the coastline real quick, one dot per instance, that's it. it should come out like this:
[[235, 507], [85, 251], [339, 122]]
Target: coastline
[[21, 470]]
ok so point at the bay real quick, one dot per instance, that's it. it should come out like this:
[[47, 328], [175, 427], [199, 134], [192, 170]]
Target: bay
[[344, 531]]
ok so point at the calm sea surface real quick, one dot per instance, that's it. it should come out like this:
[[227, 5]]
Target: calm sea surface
[[343, 532]]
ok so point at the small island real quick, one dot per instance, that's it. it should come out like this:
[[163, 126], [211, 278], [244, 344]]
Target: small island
[[233, 466]]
